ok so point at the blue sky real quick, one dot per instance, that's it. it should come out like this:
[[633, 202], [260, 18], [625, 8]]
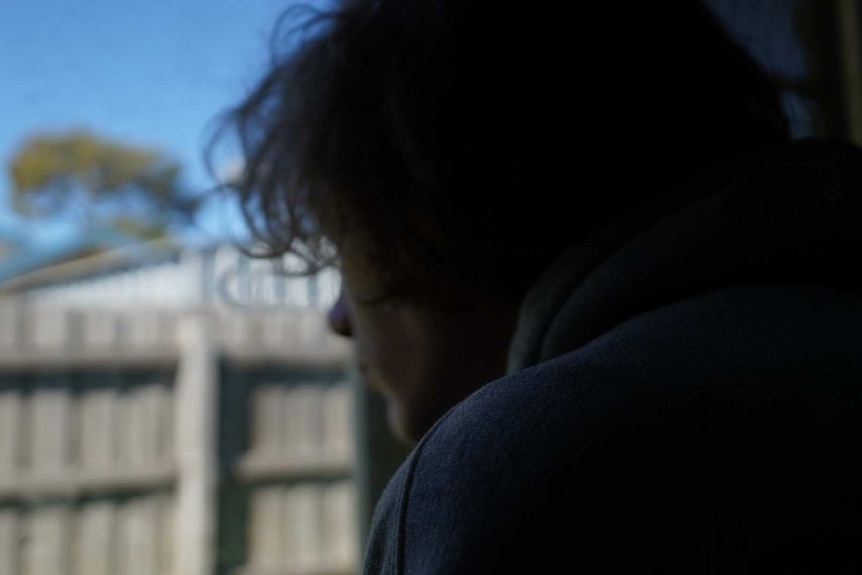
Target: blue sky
[[149, 72]]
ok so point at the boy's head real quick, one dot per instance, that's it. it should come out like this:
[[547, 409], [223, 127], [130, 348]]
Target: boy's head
[[468, 143], [443, 152]]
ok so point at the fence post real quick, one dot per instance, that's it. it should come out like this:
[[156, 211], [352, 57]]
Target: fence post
[[196, 437]]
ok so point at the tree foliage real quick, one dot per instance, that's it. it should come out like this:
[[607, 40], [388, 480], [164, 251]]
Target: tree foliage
[[99, 180]]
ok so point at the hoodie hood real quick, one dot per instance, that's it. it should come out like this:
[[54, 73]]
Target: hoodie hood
[[791, 215]]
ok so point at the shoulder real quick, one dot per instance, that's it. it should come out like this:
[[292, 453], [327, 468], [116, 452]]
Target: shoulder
[[615, 445]]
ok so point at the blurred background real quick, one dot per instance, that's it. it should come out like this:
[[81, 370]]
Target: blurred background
[[168, 405]]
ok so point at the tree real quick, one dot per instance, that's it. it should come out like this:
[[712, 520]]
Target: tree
[[96, 180]]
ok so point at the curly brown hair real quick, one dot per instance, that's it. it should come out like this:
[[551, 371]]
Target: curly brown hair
[[454, 143]]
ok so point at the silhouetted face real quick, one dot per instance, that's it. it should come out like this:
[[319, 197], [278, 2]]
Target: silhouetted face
[[422, 361]]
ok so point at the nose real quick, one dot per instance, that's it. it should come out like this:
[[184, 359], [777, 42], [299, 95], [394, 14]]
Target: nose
[[338, 317]]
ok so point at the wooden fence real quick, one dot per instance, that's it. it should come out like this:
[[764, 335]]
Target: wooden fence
[[174, 443]]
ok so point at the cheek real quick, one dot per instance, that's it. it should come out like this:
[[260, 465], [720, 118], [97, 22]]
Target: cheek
[[388, 350], [387, 355]]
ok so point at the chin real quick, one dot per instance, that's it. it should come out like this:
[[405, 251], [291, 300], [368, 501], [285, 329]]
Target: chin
[[374, 384], [399, 425]]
